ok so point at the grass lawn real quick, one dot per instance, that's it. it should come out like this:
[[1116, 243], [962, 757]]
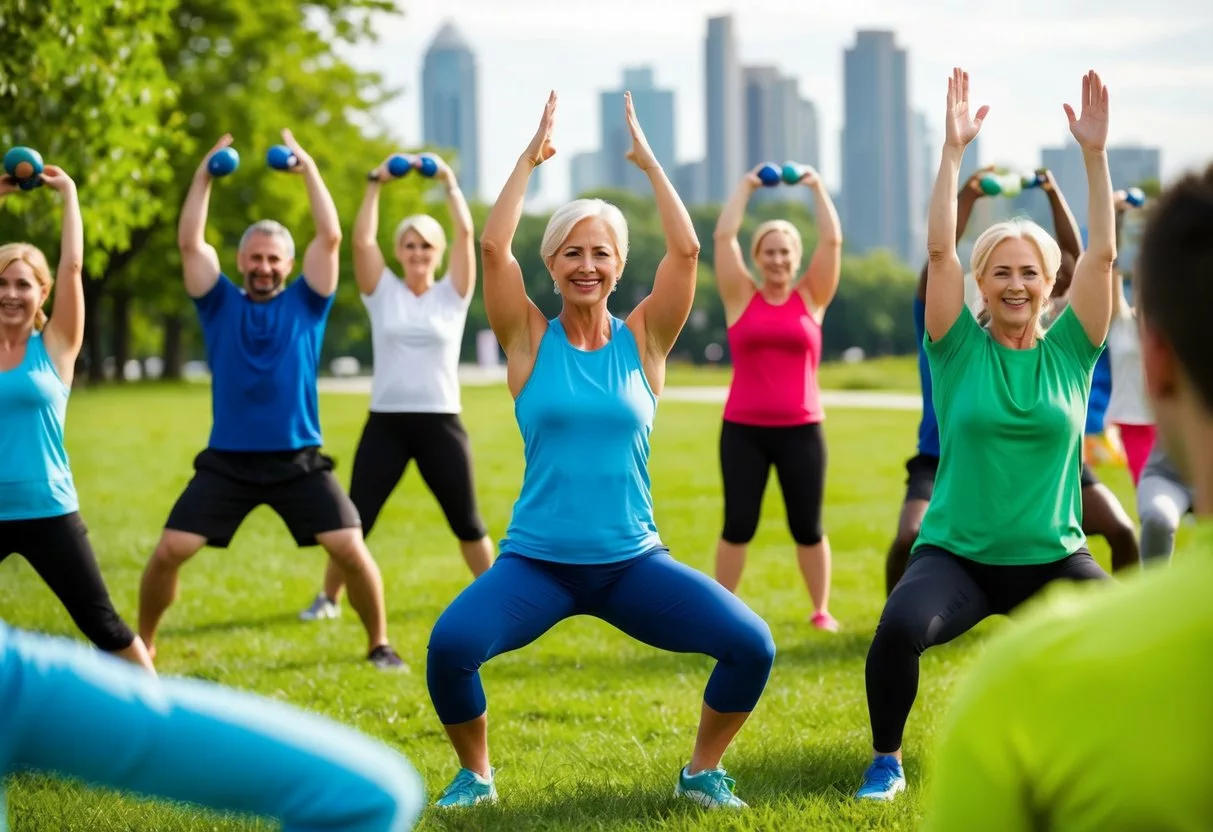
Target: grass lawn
[[589, 728]]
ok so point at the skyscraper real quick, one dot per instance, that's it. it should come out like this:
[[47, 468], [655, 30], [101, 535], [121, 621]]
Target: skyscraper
[[1129, 165], [780, 126], [449, 103], [725, 139], [585, 172], [655, 111], [877, 170]]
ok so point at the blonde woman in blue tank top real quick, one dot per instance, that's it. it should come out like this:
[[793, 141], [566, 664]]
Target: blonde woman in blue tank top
[[582, 539], [39, 510]]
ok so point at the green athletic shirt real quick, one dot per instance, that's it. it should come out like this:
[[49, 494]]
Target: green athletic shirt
[[1010, 429], [1092, 714]]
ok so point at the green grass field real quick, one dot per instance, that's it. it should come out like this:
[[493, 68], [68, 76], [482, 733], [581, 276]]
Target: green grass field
[[588, 728]]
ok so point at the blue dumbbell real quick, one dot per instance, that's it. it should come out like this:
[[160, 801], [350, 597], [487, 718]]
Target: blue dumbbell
[[280, 157], [1135, 197], [770, 174], [25, 165], [223, 161]]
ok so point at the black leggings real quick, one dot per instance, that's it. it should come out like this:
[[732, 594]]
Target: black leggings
[[747, 453], [59, 550], [940, 597], [439, 443]]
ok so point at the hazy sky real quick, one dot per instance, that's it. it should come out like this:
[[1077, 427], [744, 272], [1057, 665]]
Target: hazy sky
[[1155, 55]]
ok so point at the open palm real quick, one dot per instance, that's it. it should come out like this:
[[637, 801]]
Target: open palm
[[962, 125], [640, 153], [1090, 128], [541, 148]]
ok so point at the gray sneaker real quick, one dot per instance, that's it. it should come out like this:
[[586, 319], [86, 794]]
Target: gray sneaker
[[322, 607]]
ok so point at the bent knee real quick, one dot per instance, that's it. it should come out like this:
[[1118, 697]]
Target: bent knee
[[752, 645], [346, 546], [176, 547], [457, 646], [1155, 518]]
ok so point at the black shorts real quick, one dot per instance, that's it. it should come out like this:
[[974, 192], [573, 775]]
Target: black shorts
[[920, 477], [59, 550], [227, 485], [798, 454], [1088, 478]]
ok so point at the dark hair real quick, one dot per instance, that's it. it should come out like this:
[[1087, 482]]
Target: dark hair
[[1173, 280]]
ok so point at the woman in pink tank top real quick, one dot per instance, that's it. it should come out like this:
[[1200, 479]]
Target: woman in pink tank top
[[773, 414]]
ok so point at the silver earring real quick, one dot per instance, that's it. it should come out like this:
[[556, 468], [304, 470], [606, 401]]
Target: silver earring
[[555, 288]]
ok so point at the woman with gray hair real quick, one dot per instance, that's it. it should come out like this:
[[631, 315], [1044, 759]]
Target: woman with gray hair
[[582, 540], [417, 325]]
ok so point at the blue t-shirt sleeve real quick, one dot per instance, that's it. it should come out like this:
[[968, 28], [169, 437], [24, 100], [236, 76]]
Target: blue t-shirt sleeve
[[211, 304], [316, 304]]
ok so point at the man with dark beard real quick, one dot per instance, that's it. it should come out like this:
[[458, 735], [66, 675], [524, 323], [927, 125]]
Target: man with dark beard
[[263, 347]]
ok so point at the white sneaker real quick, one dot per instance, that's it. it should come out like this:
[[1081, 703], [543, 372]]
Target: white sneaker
[[322, 607]]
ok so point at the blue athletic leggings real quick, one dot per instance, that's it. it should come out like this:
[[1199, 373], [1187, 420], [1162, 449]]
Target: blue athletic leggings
[[652, 598], [67, 709]]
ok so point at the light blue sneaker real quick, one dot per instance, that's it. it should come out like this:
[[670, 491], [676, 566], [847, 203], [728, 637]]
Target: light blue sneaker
[[467, 789], [710, 789], [883, 779]]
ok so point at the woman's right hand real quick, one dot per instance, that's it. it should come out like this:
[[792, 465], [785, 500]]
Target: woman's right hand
[[541, 148], [962, 126], [751, 177]]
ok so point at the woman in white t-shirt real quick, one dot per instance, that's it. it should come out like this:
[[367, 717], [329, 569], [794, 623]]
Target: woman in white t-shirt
[[1127, 407], [416, 332]]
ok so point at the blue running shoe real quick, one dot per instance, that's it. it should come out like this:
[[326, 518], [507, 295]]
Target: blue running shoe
[[467, 789], [883, 779], [710, 789]]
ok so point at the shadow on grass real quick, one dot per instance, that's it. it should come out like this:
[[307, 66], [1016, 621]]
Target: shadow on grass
[[230, 624]]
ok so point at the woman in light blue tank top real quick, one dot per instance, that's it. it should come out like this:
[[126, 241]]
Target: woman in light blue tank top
[[582, 540], [39, 517]]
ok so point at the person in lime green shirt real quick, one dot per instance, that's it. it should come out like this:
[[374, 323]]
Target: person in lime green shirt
[[1011, 402], [1095, 712]]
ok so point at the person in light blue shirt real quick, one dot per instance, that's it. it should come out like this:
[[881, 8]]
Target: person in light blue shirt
[[582, 540], [39, 509], [73, 712], [263, 346]]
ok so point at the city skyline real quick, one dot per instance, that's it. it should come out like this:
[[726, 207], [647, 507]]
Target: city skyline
[[1162, 87]]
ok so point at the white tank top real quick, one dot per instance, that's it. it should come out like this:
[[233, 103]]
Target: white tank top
[[416, 342], [1127, 405]]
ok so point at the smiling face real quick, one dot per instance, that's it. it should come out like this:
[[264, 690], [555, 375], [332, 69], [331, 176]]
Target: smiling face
[[417, 257], [265, 263], [22, 292], [586, 266], [1014, 284], [777, 258]]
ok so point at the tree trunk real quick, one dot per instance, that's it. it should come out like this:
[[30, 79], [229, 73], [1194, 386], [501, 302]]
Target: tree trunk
[[120, 332], [94, 349], [174, 360]]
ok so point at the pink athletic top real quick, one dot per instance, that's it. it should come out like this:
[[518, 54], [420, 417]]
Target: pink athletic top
[[776, 351]]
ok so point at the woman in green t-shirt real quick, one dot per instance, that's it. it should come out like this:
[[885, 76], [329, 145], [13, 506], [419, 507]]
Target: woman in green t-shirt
[[1011, 404]]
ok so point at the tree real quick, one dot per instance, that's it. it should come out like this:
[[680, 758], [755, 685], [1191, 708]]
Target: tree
[[84, 84]]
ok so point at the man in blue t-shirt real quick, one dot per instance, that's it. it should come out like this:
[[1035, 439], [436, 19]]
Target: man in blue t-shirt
[[263, 346], [921, 468]]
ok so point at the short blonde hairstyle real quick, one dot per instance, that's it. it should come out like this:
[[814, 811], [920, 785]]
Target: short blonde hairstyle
[[1019, 228], [36, 260], [567, 216], [428, 228], [777, 225]]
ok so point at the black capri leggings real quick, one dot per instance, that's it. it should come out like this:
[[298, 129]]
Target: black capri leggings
[[59, 550], [747, 453], [439, 443], [942, 596]]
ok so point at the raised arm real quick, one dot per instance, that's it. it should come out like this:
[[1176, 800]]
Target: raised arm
[[368, 257], [462, 269], [733, 279], [1091, 293], [945, 293], [1065, 228], [199, 260], [510, 311], [820, 279], [64, 332], [321, 260], [664, 312], [970, 192]]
